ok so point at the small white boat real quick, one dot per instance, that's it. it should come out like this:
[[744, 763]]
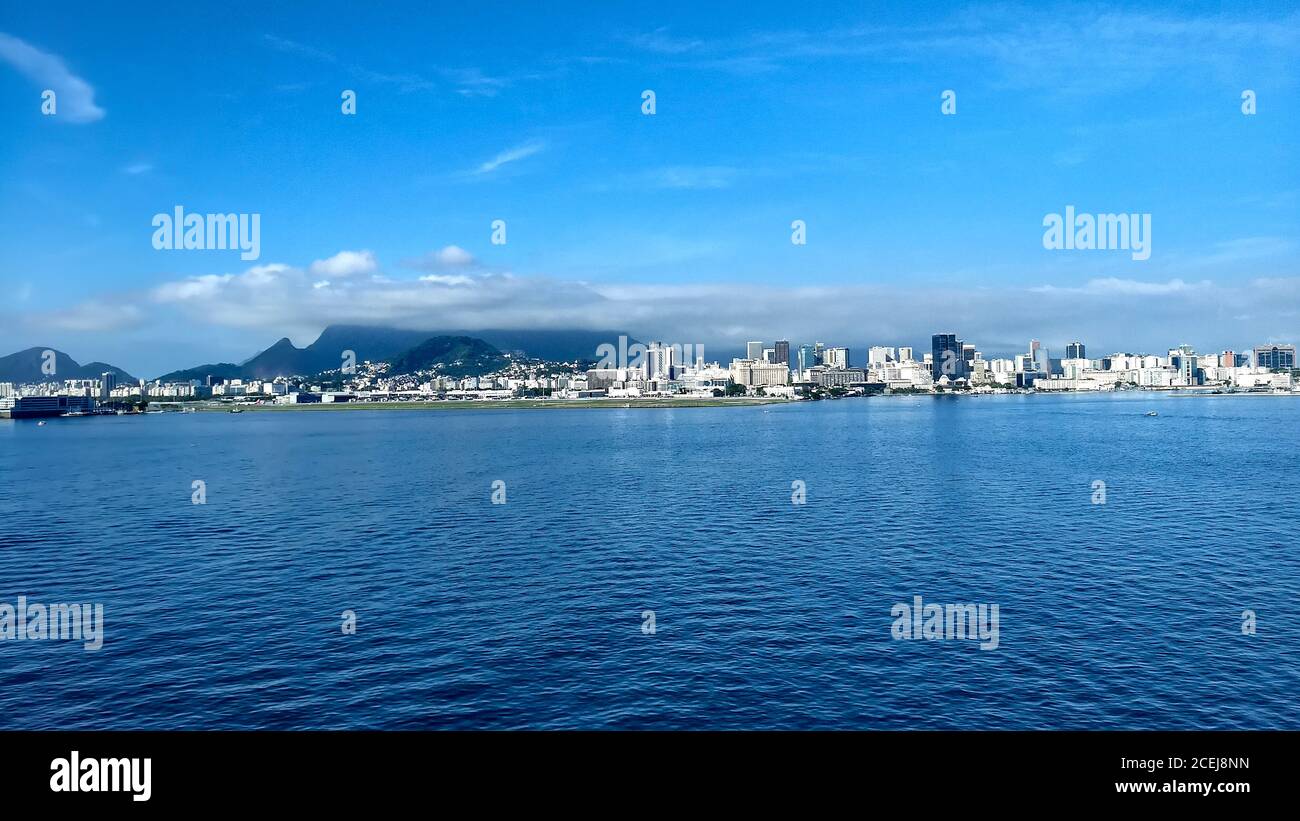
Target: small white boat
[[40, 424], [1152, 413]]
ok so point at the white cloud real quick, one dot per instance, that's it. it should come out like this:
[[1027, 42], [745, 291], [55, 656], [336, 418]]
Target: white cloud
[[346, 264], [448, 279], [1114, 285], [1106, 313], [75, 98], [445, 258], [137, 168]]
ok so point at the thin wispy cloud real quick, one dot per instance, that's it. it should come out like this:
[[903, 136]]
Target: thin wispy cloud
[[662, 41], [467, 82], [682, 178], [1081, 50], [300, 49], [472, 82], [74, 97], [135, 169], [510, 155], [405, 81]]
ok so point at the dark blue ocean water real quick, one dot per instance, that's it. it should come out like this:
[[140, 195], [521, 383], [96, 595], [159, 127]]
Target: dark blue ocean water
[[767, 614]]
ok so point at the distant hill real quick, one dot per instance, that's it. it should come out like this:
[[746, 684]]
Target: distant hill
[[384, 344], [219, 370], [25, 366], [553, 346], [453, 355], [326, 353]]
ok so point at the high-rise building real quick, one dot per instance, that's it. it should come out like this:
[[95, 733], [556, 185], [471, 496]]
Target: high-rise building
[[807, 357], [107, 381], [1040, 358], [835, 357], [660, 361], [1075, 350], [1275, 356], [905, 354], [781, 352], [880, 355], [754, 351], [946, 357]]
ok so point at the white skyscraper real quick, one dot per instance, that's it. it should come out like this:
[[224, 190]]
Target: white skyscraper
[[836, 357]]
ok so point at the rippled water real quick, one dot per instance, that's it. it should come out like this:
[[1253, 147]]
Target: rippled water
[[767, 614]]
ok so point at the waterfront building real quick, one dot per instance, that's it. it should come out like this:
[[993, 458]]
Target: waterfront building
[[754, 351], [1275, 356], [830, 377], [32, 407], [753, 373], [1075, 350]]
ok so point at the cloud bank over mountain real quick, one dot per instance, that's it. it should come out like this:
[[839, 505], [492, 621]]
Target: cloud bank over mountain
[[274, 300]]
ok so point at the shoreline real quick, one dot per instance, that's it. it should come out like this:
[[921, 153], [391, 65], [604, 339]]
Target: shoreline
[[633, 404], [666, 402], [509, 404]]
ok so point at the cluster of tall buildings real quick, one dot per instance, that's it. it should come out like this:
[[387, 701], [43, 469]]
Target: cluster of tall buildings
[[953, 362]]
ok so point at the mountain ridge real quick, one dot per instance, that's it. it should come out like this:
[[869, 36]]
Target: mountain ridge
[[26, 367], [380, 344]]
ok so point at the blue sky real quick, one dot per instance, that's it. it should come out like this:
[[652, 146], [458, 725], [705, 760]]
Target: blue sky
[[675, 225]]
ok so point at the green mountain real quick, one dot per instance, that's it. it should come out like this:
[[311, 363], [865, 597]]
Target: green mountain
[[383, 344], [26, 367], [451, 355]]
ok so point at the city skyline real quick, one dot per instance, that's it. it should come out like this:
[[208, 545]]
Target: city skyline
[[770, 350], [678, 222]]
